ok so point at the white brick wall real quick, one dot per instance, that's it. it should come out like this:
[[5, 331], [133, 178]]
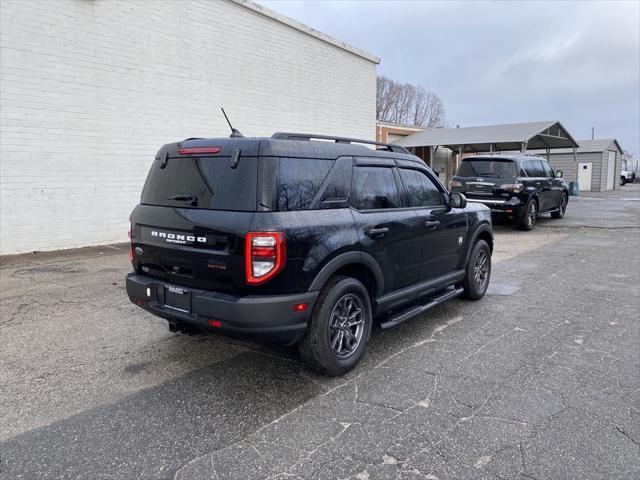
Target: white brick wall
[[91, 88]]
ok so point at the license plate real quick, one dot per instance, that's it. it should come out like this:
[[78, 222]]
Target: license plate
[[177, 298]]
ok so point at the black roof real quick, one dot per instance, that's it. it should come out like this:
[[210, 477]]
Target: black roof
[[276, 146]]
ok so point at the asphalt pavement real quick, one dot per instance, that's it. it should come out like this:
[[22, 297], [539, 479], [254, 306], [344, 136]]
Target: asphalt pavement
[[540, 379]]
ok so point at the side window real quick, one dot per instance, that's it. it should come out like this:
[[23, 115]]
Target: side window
[[421, 190], [299, 181], [548, 171], [374, 187], [533, 168]]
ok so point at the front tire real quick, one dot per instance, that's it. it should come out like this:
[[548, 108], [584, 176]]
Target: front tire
[[527, 220], [339, 329], [562, 207], [478, 273]]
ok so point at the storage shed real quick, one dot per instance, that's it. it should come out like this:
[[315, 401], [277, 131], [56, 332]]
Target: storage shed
[[598, 167]]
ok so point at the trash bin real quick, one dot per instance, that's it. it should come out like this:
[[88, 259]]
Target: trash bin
[[574, 189]]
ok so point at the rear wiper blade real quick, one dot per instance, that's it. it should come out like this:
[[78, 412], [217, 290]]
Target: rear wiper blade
[[185, 198]]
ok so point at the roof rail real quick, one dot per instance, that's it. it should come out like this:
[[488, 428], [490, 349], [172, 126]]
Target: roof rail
[[309, 136]]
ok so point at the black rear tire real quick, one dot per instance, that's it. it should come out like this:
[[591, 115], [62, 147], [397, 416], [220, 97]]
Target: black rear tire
[[478, 273], [319, 347], [562, 207], [623, 181], [527, 218]]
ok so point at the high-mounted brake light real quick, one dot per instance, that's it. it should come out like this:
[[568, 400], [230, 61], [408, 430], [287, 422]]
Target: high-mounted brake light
[[198, 150], [265, 255]]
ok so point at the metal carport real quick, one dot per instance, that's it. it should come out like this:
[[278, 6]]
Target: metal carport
[[491, 138]]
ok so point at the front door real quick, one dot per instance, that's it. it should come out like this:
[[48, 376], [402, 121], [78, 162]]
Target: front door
[[537, 179], [611, 168], [388, 231], [442, 229], [584, 176]]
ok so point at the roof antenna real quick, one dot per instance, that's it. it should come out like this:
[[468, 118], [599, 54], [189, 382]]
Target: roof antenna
[[235, 133]]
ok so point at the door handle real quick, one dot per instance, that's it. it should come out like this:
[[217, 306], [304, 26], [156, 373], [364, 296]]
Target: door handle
[[377, 232], [432, 223]]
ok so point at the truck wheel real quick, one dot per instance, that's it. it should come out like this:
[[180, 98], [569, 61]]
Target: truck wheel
[[476, 279], [527, 219], [339, 328], [562, 207], [623, 181]]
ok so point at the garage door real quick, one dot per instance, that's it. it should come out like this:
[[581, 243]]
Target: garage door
[[611, 169], [584, 176]]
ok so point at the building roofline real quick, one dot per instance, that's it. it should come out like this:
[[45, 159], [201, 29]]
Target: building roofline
[[301, 27]]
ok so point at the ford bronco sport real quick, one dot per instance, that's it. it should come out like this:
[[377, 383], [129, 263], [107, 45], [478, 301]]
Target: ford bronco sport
[[519, 186], [301, 239]]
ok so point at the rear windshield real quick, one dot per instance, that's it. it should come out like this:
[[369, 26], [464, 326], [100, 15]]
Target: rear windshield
[[205, 182], [492, 168]]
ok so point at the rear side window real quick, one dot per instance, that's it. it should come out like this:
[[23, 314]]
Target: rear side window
[[205, 182], [299, 181], [374, 188], [533, 168], [421, 190], [488, 167]]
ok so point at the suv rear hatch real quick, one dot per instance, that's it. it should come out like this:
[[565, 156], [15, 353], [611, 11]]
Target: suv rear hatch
[[490, 178], [196, 207]]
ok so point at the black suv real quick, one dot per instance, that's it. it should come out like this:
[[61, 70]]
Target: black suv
[[301, 239], [520, 186]]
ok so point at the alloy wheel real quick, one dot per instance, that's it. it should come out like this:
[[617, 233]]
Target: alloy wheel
[[531, 218], [481, 270], [346, 326]]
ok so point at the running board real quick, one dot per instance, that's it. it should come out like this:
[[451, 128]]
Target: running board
[[418, 309]]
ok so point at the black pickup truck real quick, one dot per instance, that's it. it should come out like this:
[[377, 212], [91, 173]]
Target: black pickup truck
[[301, 239]]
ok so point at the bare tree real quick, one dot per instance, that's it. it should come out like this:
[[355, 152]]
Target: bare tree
[[410, 104]]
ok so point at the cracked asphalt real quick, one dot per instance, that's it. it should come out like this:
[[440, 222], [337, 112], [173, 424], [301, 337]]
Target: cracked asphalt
[[539, 380]]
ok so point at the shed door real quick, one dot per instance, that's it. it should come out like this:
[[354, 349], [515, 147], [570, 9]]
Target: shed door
[[584, 176], [611, 169]]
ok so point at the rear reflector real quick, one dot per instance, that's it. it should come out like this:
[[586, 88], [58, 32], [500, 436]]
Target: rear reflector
[[300, 307], [198, 150], [265, 256], [214, 323]]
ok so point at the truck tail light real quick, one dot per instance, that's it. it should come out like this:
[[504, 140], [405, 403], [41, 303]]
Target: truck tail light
[[265, 256], [512, 187], [454, 184]]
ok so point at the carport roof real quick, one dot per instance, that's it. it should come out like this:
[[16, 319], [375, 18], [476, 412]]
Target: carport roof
[[536, 135]]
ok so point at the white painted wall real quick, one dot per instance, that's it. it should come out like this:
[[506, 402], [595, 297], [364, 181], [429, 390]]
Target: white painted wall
[[91, 89]]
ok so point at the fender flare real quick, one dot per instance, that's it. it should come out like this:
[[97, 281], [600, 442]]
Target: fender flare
[[344, 259], [483, 227]]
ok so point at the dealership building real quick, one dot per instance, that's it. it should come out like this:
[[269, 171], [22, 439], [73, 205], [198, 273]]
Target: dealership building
[[92, 88]]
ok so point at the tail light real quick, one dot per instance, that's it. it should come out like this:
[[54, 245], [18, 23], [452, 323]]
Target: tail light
[[198, 150], [512, 187], [454, 184], [131, 244], [265, 256]]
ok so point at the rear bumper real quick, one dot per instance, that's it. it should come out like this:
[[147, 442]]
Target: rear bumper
[[509, 206], [269, 318]]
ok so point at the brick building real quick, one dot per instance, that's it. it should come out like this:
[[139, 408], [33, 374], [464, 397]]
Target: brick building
[[92, 88]]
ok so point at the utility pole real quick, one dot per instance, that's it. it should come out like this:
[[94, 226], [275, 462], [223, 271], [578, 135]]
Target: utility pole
[[593, 133]]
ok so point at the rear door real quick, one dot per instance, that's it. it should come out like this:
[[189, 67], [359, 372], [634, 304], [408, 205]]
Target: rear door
[[388, 230], [536, 180], [442, 229], [485, 178], [189, 227]]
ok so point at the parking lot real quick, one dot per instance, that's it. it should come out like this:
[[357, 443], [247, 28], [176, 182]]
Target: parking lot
[[540, 379]]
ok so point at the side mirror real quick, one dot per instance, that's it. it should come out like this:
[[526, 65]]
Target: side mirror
[[457, 200], [558, 173]]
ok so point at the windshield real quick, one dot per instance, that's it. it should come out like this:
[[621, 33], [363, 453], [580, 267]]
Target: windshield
[[206, 182], [492, 168]]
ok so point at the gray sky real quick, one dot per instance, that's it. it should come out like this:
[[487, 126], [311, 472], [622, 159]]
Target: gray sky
[[502, 62]]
